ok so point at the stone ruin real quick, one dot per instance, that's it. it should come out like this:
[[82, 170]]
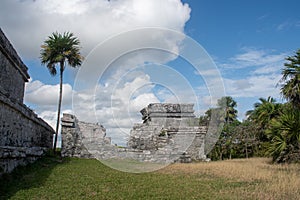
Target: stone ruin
[[169, 133], [169, 128], [80, 138], [24, 137]]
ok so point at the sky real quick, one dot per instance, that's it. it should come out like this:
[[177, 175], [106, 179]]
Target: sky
[[146, 51]]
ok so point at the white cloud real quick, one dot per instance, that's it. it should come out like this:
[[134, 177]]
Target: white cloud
[[269, 69], [253, 86], [115, 106], [140, 101], [288, 24], [51, 116], [28, 23], [40, 94], [252, 57], [261, 81]]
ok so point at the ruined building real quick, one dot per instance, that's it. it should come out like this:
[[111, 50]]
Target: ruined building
[[170, 129], [169, 133], [24, 137]]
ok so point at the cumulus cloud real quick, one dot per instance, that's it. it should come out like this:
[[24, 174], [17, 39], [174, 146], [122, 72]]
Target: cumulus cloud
[[114, 106], [28, 23], [40, 94]]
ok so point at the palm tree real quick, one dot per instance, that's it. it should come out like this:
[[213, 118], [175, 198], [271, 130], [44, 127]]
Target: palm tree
[[284, 133], [264, 111], [60, 50], [227, 114], [228, 104], [290, 89]]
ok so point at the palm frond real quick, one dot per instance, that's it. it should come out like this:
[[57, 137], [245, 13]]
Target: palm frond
[[52, 69], [58, 48]]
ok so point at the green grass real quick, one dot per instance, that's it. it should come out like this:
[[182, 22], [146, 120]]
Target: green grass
[[132, 166], [72, 178]]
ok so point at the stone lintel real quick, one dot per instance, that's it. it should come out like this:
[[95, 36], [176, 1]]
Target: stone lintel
[[68, 120], [68, 124]]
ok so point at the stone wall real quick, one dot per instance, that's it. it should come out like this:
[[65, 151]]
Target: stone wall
[[80, 139], [13, 72], [170, 128], [167, 135], [24, 137]]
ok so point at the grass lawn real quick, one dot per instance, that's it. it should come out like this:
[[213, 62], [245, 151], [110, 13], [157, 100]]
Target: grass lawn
[[72, 178]]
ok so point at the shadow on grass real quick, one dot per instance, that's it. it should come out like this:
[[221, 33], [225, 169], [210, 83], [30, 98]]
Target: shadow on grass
[[31, 176]]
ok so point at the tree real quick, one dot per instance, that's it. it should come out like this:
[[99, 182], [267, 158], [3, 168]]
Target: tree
[[245, 142], [60, 50], [284, 133], [290, 87], [264, 111], [226, 114], [229, 105]]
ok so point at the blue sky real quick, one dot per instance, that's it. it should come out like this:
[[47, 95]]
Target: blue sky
[[224, 27], [247, 40], [228, 29]]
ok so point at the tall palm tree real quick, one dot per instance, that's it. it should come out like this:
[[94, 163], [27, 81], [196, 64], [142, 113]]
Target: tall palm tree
[[60, 50], [229, 105], [290, 89]]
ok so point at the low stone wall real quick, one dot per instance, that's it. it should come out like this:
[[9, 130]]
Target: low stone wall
[[23, 136]]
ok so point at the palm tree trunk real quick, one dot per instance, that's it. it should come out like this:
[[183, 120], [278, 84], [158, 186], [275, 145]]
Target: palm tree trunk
[[59, 104]]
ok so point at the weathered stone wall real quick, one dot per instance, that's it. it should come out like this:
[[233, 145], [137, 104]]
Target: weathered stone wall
[[13, 72], [196, 148], [23, 136], [20, 127], [80, 139], [170, 127], [166, 136], [162, 112]]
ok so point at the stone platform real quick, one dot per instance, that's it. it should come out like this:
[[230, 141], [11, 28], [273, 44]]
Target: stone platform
[[169, 128]]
